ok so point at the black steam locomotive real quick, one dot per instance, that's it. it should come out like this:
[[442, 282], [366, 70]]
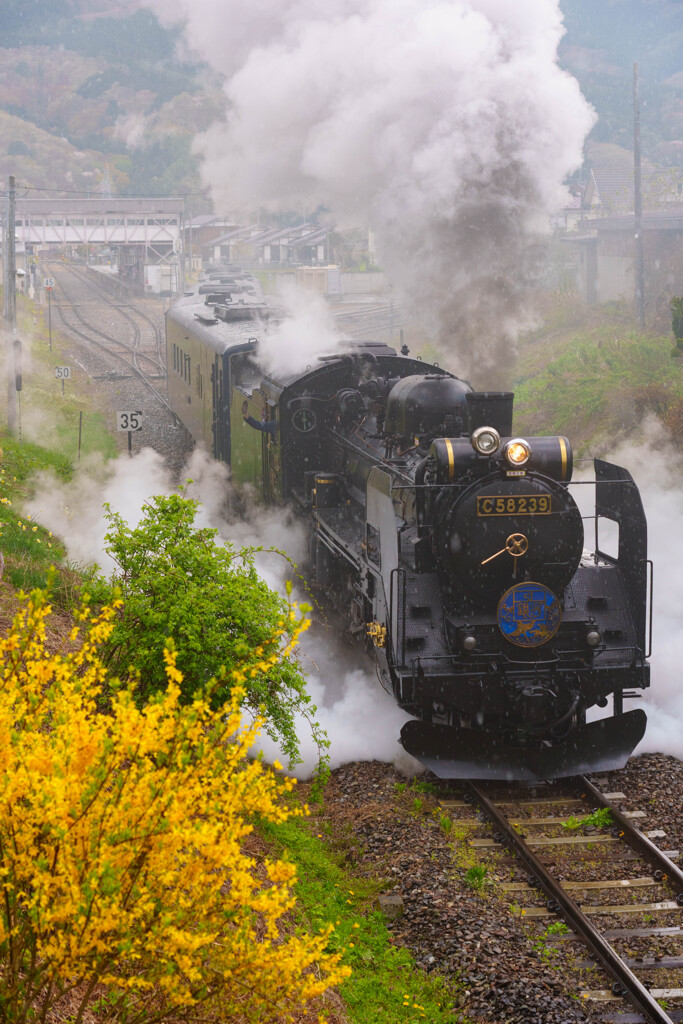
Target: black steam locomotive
[[451, 548]]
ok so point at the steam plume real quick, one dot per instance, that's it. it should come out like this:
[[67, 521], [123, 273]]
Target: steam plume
[[657, 467], [445, 124]]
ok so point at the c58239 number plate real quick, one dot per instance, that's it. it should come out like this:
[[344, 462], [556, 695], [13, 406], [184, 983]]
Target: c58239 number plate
[[514, 505]]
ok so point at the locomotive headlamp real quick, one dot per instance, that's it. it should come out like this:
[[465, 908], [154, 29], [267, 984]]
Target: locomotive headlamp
[[517, 452], [469, 643], [593, 638], [485, 440]]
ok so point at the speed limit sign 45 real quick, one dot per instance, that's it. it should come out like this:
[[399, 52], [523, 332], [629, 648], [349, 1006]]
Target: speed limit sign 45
[[129, 421]]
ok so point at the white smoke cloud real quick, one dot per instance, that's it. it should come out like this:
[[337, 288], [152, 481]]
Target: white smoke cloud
[[132, 129], [307, 332], [445, 124], [362, 721], [656, 465]]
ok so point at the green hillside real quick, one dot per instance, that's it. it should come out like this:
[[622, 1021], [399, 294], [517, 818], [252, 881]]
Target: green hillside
[[587, 374], [118, 106], [602, 42]]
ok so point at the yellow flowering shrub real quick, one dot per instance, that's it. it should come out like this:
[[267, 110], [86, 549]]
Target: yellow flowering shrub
[[122, 847]]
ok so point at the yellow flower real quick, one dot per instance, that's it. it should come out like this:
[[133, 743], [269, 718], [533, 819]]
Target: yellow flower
[[159, 842]]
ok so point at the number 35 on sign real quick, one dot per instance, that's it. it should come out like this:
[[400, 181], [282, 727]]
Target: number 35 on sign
[[129, 421]]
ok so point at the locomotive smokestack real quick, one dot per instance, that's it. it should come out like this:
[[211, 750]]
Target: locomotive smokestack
[[490, 409]]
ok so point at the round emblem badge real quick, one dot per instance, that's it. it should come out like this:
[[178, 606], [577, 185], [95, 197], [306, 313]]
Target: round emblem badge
[[529, 614]]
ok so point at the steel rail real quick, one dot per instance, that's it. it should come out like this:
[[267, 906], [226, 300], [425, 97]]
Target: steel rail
[[638, 841], [134, 348], [122, 307], [626, 982], [92, 340]]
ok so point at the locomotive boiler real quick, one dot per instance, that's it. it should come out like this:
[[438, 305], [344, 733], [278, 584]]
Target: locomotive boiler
[[451, 549]]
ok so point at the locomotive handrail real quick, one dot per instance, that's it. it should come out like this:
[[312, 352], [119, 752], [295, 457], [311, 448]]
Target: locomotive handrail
[[399, 574], [651, 564], [367, 453]]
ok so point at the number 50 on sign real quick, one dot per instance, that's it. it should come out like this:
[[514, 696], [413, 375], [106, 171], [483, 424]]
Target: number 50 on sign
[[129, 421]]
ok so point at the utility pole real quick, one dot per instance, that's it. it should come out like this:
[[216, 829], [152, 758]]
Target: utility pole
[[10, 307], [638, 206], [190, 232], [10, 261]]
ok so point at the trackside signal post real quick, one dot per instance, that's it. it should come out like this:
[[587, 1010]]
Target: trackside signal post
[[48, 285]]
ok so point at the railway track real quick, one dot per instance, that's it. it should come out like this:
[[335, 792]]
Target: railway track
[[370, 320], [129, 311], [123, 347], [548, 846]]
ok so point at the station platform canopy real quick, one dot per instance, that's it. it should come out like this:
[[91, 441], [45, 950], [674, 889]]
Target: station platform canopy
[[151, 222]]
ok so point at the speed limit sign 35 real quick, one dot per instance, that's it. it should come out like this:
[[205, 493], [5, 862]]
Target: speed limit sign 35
[[129, 421]]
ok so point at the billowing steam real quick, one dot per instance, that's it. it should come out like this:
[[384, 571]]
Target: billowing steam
[[445, 125], [657, 467], [307, 332]]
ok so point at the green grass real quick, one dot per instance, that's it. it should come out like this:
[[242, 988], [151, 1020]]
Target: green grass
[[47, 441], [385, 987], [475, 876], [48, 417], [29, 550], [595, 379], [602, 818]]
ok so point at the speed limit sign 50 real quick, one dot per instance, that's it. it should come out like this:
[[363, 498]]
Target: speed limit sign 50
[[129, 420]]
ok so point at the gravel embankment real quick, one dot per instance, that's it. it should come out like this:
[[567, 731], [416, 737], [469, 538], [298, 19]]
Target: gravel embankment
[[471, 934]]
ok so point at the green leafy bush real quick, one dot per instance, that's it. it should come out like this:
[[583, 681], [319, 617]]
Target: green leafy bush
[[177, 581]]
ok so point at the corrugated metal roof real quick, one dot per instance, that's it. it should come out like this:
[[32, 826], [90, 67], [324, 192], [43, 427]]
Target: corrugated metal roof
[[613, 189]]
